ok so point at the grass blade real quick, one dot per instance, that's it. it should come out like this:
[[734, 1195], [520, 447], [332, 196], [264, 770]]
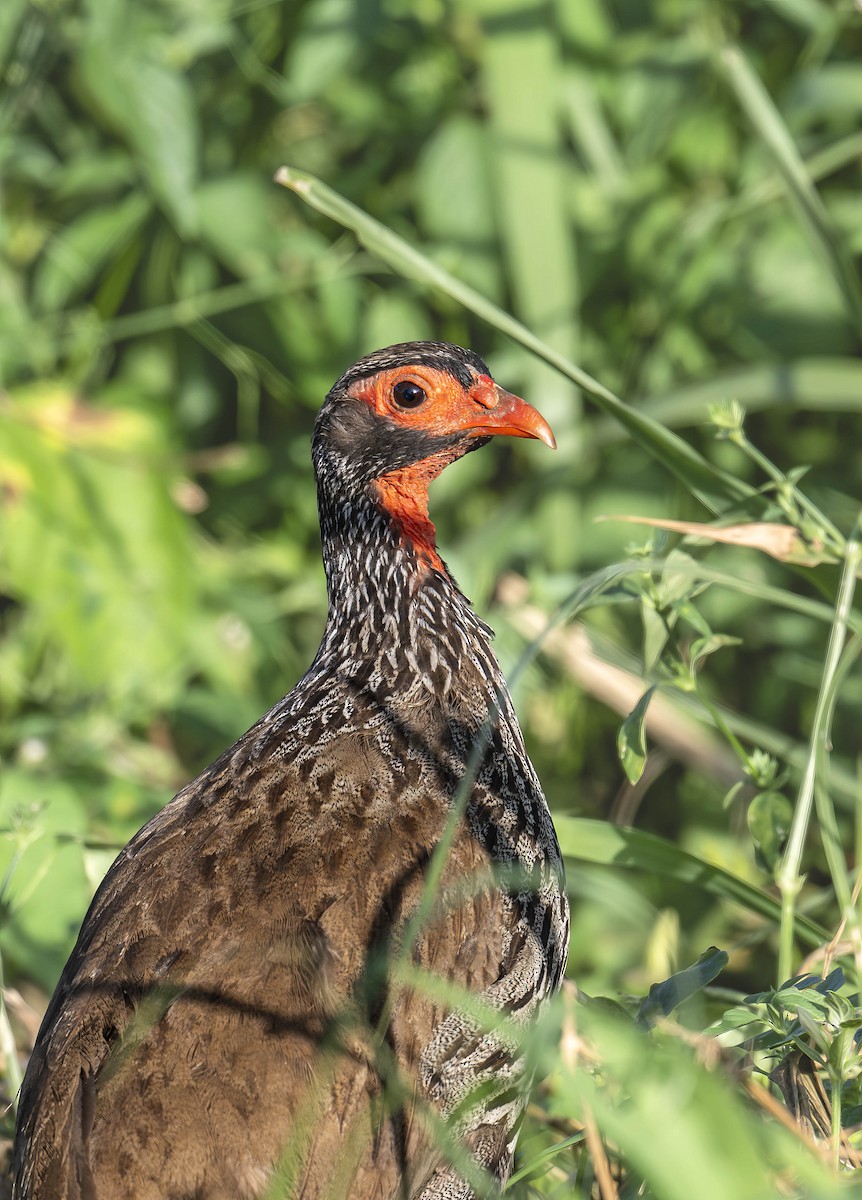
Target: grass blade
[[789, 879], [609, 845], [804, 385], [757, 105], [520, 76]]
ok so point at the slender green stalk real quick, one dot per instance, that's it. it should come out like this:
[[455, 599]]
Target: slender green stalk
[[832, 535], [769, 594], [724, 729], [857, 858], [829, 831], [836, 1124], [788, 878]]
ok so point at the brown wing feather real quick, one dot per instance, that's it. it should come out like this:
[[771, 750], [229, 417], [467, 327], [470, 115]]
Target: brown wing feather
[[221, 947]]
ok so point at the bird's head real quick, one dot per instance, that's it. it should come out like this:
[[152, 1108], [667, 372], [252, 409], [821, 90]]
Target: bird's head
[[399, 416]]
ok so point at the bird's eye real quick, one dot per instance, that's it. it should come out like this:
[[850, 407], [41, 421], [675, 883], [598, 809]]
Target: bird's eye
[[408, 394]]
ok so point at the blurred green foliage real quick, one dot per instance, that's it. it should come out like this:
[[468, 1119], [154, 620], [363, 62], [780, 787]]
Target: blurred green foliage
[[666, 192]]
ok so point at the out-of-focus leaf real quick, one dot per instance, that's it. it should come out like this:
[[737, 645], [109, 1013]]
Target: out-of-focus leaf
[[153, 106], [95, 547], [664, 997], [769, 817], [728, 1150], [521, 80], [457, 150], [47, 890], [758, 106], [236, 220], [79, 253], [11, 15], [829, 91], [324, 45], [801, 385]]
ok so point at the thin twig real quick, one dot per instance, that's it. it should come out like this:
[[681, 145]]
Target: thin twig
[[595, 1145]]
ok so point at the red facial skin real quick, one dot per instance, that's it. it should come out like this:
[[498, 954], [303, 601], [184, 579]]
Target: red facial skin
[[484, 409]]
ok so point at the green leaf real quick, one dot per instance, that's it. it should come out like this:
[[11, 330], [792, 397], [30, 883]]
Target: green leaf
[[701, 648], [650, 1098], [631, 741], [664, 997], [153, 106], [521, 84], [655, 634], [76, 256], [45, 888], [769, 817], [323, 47]]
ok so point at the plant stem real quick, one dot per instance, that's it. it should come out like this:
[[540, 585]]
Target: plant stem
[[829, 831], [831, 532], [9, 1050], [789, 879]]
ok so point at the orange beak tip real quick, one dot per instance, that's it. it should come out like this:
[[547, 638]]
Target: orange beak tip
[[515, 416], [507, 414]]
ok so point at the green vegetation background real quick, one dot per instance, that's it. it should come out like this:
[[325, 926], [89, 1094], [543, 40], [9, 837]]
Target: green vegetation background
[[170, 320]]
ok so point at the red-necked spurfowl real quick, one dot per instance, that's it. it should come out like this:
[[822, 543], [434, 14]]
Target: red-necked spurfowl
[[232, 1018]]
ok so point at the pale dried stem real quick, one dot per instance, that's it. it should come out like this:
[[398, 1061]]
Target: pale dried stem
[[595, 1145]]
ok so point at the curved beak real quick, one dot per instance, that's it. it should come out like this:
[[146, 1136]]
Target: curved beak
[[507, 414]]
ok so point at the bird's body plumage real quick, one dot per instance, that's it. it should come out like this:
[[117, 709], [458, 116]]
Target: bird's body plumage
[[231, 1015]]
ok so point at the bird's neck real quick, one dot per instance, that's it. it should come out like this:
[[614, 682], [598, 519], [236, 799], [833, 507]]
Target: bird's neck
[[392, 601]]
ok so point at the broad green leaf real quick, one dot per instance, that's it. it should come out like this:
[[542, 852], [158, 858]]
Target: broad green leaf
[[457, 150], [236, 221], [323, 47]]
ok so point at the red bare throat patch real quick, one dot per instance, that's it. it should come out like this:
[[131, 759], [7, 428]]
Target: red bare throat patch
[[403, 494]]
